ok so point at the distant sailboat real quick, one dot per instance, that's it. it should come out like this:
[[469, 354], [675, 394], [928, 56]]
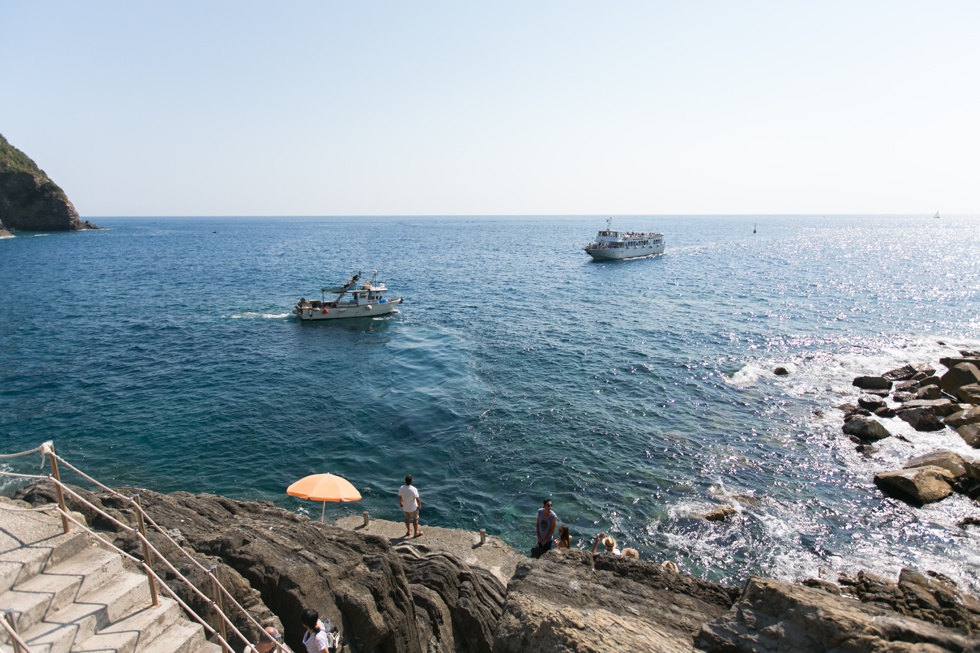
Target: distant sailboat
[[753, 227], [936, 216]]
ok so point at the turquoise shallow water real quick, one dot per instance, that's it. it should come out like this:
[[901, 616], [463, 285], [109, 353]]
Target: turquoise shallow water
[[161, 353]]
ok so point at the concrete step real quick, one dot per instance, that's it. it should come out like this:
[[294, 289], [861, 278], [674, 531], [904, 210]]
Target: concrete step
[[183, 636], [138, 630], [18, 565]]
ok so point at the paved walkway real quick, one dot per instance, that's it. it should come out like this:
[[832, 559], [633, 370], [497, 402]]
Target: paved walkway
[[496, 556]]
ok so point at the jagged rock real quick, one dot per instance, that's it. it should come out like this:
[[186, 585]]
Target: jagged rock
[[358, 582], [720, 514], [865, 428], [885, 412], [780, 371], [774, 616], [948, 460], [870, 402], [941, 407], [969, 394], [851, 410], [959, 375], [558, 603], [906, 372], [960, 418], [872, 383], [929, 392], [926, 382], [29, 200], [902, 397], [918, 595], [921, 419], [918, 485], [970, 434], [953, 362]]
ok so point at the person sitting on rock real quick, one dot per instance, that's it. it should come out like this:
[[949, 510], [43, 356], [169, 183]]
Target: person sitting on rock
[[609, 542], [564, 540]]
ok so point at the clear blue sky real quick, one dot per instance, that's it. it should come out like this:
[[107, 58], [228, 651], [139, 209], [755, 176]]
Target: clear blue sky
[[542, 107]]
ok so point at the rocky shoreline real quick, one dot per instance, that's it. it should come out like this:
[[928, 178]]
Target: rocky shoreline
[[928, 402], [448, 591]]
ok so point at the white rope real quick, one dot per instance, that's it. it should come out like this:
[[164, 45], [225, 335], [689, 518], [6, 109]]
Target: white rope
[[47, 448], [167, 536], [135, 532], [24, 453]]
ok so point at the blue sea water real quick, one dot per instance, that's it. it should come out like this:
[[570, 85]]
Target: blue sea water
[[161, 353]]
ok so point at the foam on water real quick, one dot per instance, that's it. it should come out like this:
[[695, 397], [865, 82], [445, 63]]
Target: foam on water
[[637, 395]]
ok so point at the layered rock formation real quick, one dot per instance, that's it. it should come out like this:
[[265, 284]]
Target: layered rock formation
[[29, 200], [396, 595]]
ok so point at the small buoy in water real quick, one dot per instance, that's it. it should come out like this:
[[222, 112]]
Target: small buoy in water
[[368, 307]]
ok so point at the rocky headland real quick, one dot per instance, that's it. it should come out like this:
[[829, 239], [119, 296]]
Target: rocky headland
[[29, 200], [449, 591]]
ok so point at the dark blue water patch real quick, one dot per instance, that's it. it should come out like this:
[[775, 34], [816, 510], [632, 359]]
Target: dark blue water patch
[[638, 394]]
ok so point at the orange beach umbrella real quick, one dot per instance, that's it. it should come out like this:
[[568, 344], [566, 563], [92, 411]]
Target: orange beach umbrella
[[324, 487]]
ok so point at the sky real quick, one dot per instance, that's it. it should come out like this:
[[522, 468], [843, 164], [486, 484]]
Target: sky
[[343, 108]]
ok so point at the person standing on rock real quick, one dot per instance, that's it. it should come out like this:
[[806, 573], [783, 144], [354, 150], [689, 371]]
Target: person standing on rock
[[547, 520], [408, 499]]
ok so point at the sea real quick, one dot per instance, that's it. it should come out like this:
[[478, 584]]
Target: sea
[[638, 395]]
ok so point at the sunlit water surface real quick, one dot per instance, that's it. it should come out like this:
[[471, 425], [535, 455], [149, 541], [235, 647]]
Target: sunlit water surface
[[161, 353]]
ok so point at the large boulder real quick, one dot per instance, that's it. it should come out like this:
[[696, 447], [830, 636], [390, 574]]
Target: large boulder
[[969, 394], [941, 407], [872, 383], [906, 372], [870, 402], [865, 428], [917, 485], [921, 419], [960, 418], [951, 461], [970, 434], [560, 603], [958, 376], [774, 616]]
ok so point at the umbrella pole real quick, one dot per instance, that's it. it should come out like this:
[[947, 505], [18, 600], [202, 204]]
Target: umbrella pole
[[322, 510]]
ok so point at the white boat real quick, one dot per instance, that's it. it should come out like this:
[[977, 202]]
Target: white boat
[[614, 244], [354, 299]]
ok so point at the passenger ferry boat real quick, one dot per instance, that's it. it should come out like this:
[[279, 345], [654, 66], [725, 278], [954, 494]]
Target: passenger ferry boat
[[354, 299], [614, 244]]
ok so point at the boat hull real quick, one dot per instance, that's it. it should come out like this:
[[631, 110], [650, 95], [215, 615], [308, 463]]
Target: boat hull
[[373, 309], [622, 253]]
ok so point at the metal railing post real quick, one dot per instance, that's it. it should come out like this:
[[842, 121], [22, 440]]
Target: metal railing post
[[221, 610], [147, 556]]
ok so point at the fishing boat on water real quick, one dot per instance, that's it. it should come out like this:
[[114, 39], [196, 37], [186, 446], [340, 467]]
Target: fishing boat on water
[[353, 299], [614, 244]]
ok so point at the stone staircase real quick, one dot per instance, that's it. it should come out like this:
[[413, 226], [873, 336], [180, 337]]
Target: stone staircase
[[71, 595]]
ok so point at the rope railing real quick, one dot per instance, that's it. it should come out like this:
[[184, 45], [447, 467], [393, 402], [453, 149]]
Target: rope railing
[[134, 502], [216, 604]]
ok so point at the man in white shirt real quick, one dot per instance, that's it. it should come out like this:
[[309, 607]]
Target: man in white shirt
[[408, 499]]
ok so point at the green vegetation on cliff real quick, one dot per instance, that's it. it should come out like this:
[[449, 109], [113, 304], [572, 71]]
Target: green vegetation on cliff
[[29, 200]]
